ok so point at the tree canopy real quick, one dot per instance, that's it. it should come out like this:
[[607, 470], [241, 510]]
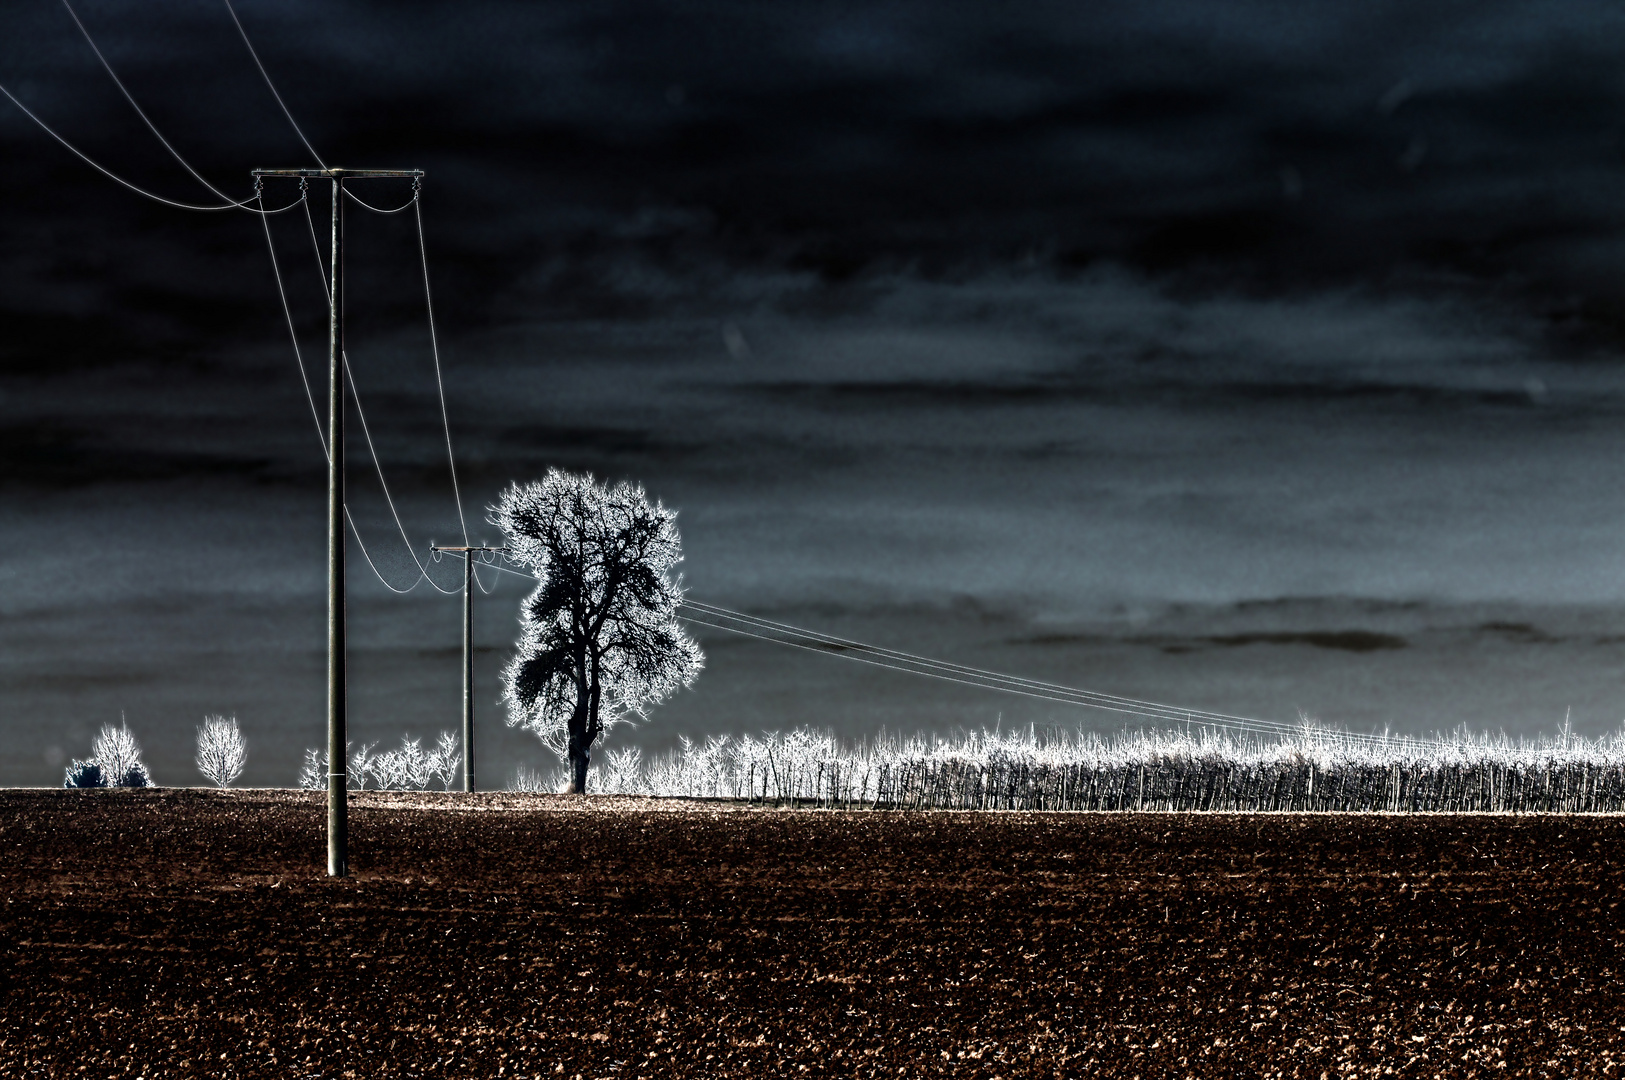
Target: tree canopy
[[599, 641]]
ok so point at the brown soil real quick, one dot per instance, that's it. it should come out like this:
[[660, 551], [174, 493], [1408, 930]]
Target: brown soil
[[190, 933]]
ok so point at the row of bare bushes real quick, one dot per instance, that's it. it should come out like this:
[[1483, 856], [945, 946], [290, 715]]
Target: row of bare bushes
[[1310, 769]]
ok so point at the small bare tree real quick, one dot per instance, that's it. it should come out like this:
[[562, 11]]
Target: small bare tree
[[444, 759], [599, 638], [313, 774], [221, 751], [116, 757], [358, 766]]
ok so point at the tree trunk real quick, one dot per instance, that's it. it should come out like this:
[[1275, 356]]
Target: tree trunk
[[580, 758], [580, 748]]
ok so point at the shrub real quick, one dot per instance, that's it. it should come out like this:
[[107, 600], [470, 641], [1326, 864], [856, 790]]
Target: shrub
[[135, 776], [406, 768], [84, 774]]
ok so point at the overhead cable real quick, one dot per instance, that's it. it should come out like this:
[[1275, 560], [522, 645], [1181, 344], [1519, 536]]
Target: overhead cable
[[145, 119], [384, 484], [998, 681], [272, 86], [780, 633], [377, 464], [929, 674], [259, 209], [293, 334], [407, 205], [304, 378], [440, 384], [911, 663], [109, 173]]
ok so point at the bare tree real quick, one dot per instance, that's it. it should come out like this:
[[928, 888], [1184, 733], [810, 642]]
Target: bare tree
[[116, 757], [313, 774], [221, 751], [407, 768], [444, 759], [599, 639]]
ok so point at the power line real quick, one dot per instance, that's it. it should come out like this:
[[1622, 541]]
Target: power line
[[774, 631], [272, 86], [139, 111], [423, 255], [293, 334], [434, 345], [992, 680], [929, 674], [384, 484], [912, 664], [434, 342], [813, 642], [109, 173], [838, 644], [407, 205], [315, 416], [260, 210]]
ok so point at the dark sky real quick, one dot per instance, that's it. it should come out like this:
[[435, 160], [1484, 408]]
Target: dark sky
[[1264, 148], [1147, 346]]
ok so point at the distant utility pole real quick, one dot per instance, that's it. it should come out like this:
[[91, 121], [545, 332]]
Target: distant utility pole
[[468, 654], [338, 827]]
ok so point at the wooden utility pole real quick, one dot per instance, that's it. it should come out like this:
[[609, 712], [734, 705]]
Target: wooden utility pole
[[338, 828], [468, 655]]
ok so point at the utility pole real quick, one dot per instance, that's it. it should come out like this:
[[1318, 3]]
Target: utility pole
[[338, 824], [468, 655]]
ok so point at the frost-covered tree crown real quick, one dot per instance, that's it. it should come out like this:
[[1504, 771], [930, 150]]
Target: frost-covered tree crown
[[599, 640], [221, 750]]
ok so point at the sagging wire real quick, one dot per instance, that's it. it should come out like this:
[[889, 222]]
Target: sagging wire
[[109, 173], [287, 312], [434, 346], [877, 656], [316, 416], [932, 674], [272, 86], [997, 681], [256, 205], [434, 335], [479, 562], [383, 483], [912, 664], [407, 205], [145, 119]]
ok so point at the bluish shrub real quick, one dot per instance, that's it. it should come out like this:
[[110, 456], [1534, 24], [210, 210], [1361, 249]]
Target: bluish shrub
[[135, 776], [84, 774]]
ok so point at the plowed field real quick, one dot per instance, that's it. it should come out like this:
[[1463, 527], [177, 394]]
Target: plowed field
[[189, 933]]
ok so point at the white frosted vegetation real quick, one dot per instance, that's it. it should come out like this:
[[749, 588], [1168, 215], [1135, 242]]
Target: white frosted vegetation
[[115, 761], [600, 642], [408, 767], [1311, 769], [221, 750]]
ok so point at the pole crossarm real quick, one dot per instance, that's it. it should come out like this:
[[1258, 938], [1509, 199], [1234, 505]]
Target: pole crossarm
[[348, 174]]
